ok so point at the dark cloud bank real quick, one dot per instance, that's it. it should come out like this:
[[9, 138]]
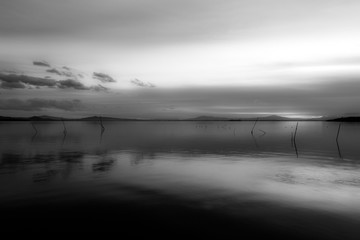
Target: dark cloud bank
[[19, 81], [13, 81]]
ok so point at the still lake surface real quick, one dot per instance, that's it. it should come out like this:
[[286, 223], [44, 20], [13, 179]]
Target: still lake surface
[[182, 178]]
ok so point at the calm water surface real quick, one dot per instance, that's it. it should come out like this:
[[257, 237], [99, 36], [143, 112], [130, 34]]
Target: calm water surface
[[182, 178]]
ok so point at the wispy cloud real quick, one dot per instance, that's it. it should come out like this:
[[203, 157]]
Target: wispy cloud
[[53, 70], [41, 63], [104, 78], [70, 83], [140, 83], [99, 88]]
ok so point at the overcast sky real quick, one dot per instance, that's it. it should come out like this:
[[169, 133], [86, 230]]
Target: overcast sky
[[205, 57]]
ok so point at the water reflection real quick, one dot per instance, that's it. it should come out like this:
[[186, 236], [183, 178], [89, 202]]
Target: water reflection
[[206, 175], [191, 137], [103, 165], [44, 176]]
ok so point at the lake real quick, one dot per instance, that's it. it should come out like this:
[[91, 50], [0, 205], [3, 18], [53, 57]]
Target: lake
[[167, 179]]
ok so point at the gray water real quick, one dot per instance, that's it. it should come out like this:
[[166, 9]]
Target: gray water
[[181, 177]]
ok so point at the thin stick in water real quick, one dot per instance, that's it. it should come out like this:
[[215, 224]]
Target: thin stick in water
[[65, 131], [296, 150], [339, 151], [102, 125], [296, 131], [34, 127], [338, 132], [252, 130]]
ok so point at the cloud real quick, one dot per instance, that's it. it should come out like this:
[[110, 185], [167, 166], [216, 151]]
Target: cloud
[[39, 104], [11, 85], [41, 63], [68, 73], [99, 88], [15, 81], [70, 83], [38, 81], [53, 70], [140, 83], [104, 78]]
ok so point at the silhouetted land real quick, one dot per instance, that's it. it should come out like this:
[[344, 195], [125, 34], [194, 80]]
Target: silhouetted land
[[346, 119], [200, 118]]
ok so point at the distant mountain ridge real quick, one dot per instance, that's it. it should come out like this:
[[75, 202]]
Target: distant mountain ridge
[[200, 118], [98, 118], [208, 118], [212, 118], [51, 118], [33, 118]]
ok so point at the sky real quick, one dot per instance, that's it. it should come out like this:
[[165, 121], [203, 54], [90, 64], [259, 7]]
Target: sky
[[178, 59]]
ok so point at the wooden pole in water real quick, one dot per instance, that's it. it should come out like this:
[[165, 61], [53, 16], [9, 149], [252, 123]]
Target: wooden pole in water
[[337, 142], [296, 150], [65, 131], [101, 124], [252, 130], [33, 125], [338, 132], [102, 129], [296, 131]]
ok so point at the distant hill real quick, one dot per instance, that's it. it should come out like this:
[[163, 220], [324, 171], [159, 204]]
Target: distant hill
[[97, 118], [45, 118], [3, 118], [51, 118], [208, 118], [200, 118], [33, 118], [275, 118]]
